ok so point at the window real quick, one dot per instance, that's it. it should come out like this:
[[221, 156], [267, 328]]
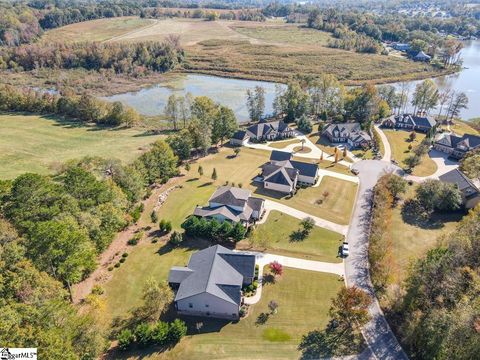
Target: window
[[190, 305]]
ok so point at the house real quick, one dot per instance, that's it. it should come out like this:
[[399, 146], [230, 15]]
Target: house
[[350, 133], [239, 138], [273, 130], [283, 174], [456, 146], [423, 124], [211, 284], [232, 204], [401, 47], [470, 192], [421, 56]]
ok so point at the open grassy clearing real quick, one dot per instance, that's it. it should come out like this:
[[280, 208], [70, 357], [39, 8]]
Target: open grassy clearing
[[274, 236], [411, 241], [33, 143], [286, 34], [399, 142], [96, 30], [301, 309]]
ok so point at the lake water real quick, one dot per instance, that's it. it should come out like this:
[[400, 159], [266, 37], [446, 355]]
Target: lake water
[[232, 92], [228, 92]]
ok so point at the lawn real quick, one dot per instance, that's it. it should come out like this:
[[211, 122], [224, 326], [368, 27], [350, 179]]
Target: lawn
[[33, 143], [283, 144], [302, 308], [326, 146], [399, 142], [274, 236], [337, 207], [462, 127], [412, 241], [96, 30]]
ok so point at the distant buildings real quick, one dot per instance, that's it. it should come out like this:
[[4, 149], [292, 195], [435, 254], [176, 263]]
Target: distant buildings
[[232, 204], [470, 192], [401, 47], [456, 146], [282, 174], [211, 284], [424, 124], [350, 133], [421, 56]]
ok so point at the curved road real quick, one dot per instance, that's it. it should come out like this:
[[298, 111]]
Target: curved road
[[382, 343]]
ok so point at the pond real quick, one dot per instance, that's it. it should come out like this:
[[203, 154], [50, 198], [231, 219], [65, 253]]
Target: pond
[[232, 92], [228, 92]]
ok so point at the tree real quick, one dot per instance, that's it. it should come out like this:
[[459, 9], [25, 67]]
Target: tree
[[200, 170], [307, 224], [125, 339], [201, 135], [224, 124], [154, 217], [276, 268], [187, 166], [176, 238], [470, 164], [157, 297], [349, 311], [362, 103], [238, 232], [412, 136], [412, 161], [293, 102], [304, 125], [172, 112], [437, 195], [459, 102], [181, 144], [177, 330], [425, 96], [236, 151], [256, 103], [395, 184], [159, 163], [214, 174], [326, 96]]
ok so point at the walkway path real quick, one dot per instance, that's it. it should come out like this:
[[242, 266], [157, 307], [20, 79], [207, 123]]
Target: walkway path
[[387, 156], [273, 205], [263, 259], [378, 335]]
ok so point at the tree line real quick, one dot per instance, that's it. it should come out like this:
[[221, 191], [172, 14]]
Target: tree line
[[202, 13], [84, 108], [122, 58]]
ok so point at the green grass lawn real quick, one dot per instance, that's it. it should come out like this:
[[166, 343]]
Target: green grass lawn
[[33, 143], [399, 142], [274, 236], [412, 241], [304, 298]]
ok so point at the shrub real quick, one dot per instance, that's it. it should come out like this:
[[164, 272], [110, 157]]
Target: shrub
[[176, 331], [137, 212], [176, 238], [154, 217], [168, 227], [117, 265], [125, 255], [97, 290], [110, 268], [143, 334], [122, 260], [159, 333], [276, 268], [125, 339]]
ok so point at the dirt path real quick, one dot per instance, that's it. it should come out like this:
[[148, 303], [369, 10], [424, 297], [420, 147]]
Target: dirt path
[[119, 245]]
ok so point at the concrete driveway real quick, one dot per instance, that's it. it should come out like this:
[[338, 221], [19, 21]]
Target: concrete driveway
[[444, 165], [378, 335]]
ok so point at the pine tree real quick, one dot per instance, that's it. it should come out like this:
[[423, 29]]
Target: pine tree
[[187, 166], [214, 174], [200, 170]]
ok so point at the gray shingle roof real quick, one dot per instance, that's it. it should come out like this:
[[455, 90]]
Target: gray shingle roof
[[228, 195], [240, 135], [464, 184], [277, 155], [218, 271], [306, 169]]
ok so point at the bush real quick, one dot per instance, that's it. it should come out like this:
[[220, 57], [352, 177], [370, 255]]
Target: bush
[[117, 265], [122, 260], [97, 290], [176, 331], [136, 213], [125, 255], [154, 217], [143, 334], [110, 268], [213, 230], [159, 333], [136, 238], [176, 238], [125, 339], [168, 227]]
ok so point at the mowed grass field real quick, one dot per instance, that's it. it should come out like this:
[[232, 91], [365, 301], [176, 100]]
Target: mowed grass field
[[32, 143], [251, 50], [274, 237], [399, 142]]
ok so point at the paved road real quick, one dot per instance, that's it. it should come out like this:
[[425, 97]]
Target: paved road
[[263, 259], [273, 205], [381, 340]]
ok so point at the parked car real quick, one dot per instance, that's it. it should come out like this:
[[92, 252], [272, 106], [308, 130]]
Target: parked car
[[355, 171], [345, 249]]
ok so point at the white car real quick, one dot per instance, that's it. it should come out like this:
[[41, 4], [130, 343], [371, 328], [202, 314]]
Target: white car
[[345, 250]]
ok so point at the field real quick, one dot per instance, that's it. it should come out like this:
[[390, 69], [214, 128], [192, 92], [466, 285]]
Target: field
[[35, 144], [399, 142], [301, 309], [96, 30], [274, 237], [251, 50]]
